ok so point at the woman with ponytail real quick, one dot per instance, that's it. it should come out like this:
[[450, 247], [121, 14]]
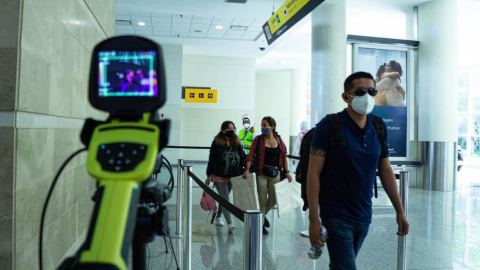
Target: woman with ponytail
[[270, 160]]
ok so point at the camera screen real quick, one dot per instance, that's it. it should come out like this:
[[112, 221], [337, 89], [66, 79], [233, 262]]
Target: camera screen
[[127, 74]]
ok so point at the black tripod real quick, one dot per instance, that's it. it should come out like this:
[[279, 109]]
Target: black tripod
[[152, 219]]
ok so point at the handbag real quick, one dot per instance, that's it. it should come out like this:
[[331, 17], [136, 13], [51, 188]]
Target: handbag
[[270, 171], [207, 202]]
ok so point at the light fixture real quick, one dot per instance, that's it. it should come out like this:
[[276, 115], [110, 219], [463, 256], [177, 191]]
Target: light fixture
[[198, 31], [141, 23], [219, 27]]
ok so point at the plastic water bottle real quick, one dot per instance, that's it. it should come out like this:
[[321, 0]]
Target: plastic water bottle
[[316, 252]]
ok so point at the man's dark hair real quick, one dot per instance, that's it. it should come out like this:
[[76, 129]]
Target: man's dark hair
[[348, 84]]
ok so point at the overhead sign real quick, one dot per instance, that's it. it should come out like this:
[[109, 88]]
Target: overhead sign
[[287, 16], [200, 95]]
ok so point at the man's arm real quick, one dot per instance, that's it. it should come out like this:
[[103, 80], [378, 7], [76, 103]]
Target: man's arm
[[315, 166], [389, 184]]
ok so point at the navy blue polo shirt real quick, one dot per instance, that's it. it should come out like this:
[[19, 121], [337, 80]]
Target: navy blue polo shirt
[[347, 178]]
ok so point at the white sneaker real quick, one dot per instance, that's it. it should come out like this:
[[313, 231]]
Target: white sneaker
[[219, 221], [231, 227]]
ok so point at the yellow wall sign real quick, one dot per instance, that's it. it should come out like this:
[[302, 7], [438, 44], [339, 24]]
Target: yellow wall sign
[[200, 95]]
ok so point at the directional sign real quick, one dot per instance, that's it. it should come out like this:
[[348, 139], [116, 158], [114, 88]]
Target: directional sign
[[200, 95], [291, 12]]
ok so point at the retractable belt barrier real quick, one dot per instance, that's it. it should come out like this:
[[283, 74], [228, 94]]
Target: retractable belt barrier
[[238, 213]]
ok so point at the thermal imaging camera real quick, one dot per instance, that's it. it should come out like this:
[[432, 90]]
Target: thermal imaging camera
[[127, 76], [127, 80]]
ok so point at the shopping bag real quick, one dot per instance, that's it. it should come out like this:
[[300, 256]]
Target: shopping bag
[[245, 195], [288, 196]]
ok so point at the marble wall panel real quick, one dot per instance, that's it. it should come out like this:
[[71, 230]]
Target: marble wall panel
[[34, 156], [28, 209], [102, 11], [8, 74], [6, 261], [6, 158], [10, 14], [6, 222], [34, 87]]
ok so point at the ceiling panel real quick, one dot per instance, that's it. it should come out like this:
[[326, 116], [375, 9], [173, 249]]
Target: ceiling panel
[[123, 17], [180, 30], [200, 26], [203, 17], [124, 13], [181, 25], [231, 37], [163, 25], [141, 14], [124, 31], [218, 36], [167, 33], [241, 23], [198, 35], [161, 20], [161, 15], [202, 21], [124, 27]]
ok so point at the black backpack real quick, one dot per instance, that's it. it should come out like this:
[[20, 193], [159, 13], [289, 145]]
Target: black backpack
[[335, 139], [225, 167]]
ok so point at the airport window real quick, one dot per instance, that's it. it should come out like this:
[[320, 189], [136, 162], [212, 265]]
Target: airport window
[[469, 110]]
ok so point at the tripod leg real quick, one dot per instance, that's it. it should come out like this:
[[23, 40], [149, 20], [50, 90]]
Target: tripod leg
[[174, 256], [166, 247]]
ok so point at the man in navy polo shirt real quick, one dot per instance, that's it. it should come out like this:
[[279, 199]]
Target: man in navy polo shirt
[[343, 185]]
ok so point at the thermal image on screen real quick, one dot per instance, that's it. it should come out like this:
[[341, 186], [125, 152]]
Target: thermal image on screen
[[127, 74]]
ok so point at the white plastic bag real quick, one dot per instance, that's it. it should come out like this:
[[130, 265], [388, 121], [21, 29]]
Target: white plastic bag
[[288, 196], [245, 195]]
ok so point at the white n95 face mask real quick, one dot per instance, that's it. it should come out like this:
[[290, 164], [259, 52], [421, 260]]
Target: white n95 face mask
[[363, 105], [246, 125]]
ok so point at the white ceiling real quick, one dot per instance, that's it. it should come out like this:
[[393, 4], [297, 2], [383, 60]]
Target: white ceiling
[[292, 50], [191, 26]]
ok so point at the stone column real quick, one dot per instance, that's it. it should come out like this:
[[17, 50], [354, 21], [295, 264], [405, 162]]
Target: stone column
[[329, 57], [438, 105], [298, 103]]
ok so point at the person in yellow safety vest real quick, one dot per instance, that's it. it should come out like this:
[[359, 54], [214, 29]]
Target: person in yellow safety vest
[[246, 134]]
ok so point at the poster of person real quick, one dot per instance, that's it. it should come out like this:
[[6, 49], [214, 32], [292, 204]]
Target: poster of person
[[389, 68]]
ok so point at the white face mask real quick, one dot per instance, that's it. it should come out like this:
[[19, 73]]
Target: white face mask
[[363, 105], [246, 125]]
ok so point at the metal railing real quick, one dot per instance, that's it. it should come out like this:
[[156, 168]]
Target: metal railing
[[402, 240], [252, 246]]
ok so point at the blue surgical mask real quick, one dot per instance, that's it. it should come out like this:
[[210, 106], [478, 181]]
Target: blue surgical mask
[[266, 131]]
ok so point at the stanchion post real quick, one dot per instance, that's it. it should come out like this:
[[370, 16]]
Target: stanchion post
[[252, 242], [179, 199], [402, 240], [187, 247]]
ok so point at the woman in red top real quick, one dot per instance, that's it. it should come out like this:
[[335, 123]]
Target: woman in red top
[[270, 159]]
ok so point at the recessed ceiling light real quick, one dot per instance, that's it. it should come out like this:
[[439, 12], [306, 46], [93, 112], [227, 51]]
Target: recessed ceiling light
[[219, 27], [141, 23]]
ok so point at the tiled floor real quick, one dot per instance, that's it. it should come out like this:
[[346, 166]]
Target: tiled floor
[[444, 234]]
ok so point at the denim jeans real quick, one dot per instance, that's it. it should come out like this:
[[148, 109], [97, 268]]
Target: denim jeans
[[344, 242]]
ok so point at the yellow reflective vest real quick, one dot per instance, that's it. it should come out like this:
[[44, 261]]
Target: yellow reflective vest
[[245, 139]]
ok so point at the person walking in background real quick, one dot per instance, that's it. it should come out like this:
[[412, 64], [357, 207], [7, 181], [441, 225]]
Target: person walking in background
[[298, 141], [247, 133], [226, 160], [269, 162]]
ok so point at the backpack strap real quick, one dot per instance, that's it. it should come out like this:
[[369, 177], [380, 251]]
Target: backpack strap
[[334, 134], [380, 128]]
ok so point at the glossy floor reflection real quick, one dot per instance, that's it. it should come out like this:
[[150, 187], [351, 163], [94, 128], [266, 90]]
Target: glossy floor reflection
[[444, 234]]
